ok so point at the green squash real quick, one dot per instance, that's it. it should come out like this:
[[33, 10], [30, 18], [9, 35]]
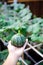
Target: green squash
[[18, 40]]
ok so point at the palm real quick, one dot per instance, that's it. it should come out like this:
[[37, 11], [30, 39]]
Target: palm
[[14, 50]]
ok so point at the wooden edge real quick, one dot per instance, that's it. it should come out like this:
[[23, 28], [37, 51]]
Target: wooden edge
[[35, 50], [33, 46], [10, 1]]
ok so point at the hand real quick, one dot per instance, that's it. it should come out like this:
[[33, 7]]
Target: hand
[[14, 54], [14, 50]]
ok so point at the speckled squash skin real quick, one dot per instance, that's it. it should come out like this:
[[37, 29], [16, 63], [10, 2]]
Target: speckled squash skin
[[18, 40]]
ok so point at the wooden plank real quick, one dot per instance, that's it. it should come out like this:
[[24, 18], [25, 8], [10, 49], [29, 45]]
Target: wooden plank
[[27, 0], [10, 1], [35, 50], [27, 49]]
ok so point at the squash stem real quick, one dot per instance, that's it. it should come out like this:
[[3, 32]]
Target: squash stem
[[18, 31]]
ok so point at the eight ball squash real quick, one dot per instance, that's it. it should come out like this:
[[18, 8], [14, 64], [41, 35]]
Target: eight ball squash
[[18, 40]]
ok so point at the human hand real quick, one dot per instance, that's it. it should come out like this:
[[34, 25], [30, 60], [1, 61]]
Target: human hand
[[14, 50], [14, 54]]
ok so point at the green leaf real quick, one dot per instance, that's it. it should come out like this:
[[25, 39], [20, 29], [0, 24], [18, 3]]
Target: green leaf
[[28, 62], [23, 12], [34, 38], [1, 30], [3, 54], [36, 28], [27, 17], [19, 25], [29, 29], [36, 20], [41, 38]]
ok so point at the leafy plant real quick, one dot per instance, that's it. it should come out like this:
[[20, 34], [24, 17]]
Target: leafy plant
[[15, 23], [19, 18], [3, 56]]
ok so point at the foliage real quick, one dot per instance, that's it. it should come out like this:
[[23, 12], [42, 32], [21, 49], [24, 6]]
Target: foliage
[[3, 56], [15, 23], [19, 18], [27, 61]]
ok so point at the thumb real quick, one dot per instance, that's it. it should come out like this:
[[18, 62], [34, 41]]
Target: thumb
[[9, 44], [25, 44]]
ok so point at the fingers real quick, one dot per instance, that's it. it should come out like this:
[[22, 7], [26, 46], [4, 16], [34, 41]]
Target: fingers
[[9, 43], [10, 46], [25, 43]]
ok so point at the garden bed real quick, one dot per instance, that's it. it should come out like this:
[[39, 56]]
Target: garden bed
[[17, 17]]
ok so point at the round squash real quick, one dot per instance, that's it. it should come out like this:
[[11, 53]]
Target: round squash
[[18, 40]]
